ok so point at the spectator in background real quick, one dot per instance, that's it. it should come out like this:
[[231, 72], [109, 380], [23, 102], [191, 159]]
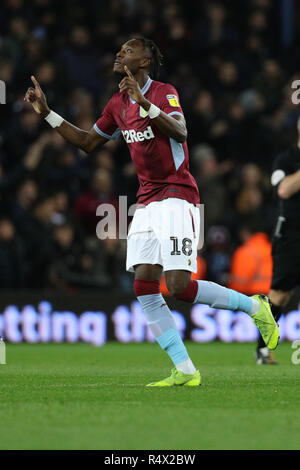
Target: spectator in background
[[63, 215], [78, 60], [35, 53], [96, 263], [12, 265], [60, 168], [269, 83], [250, 175], [62, 211], [202, 117], [209, 175], [252, 197], [217, 254], [13, 43], [213, 30], [259, 23], [70, 265], [103, 158], [37, 231], [81, 105], [26, 196], [251, 265], [109, 258], [12, 179], [228, 81], [23, 133], [248, 203], [99, 192]]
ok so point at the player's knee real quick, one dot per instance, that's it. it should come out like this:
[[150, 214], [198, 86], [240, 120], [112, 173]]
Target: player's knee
[[176, 286]]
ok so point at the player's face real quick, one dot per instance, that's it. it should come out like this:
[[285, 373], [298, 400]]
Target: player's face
[[133, 55]]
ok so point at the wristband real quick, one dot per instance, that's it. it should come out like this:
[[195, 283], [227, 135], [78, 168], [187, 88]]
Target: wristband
[[153, 111], [54, 119]]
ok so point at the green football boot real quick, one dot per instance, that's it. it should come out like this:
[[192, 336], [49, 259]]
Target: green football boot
[[178, 378], [265, 322]]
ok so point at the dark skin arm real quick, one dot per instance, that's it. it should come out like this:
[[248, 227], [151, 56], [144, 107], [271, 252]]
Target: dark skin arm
[[85, 140], [172, 126]]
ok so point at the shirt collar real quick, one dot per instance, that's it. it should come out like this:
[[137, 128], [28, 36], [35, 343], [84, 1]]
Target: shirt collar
[[147, 85]]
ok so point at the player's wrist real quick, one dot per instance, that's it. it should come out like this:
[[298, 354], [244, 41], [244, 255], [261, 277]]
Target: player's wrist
[[144, 103], [45, 111], [153, 111], [54, 119]]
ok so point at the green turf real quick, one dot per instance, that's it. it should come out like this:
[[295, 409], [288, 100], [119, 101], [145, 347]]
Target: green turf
[[84, 397]]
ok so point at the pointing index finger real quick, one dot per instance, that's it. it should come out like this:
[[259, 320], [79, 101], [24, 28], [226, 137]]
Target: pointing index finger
[[36, 83], [128, 71]]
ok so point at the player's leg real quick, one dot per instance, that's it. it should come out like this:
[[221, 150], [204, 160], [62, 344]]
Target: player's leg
[[209, 293], [144, 258], [159, 318], [216, 296], [179, 254], [205, 292]]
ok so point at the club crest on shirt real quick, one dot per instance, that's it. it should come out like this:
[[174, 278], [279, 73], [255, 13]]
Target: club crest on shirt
[[143, 112], [173, 100]]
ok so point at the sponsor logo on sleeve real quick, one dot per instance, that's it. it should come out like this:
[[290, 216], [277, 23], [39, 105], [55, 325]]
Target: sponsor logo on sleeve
[[173, 100]]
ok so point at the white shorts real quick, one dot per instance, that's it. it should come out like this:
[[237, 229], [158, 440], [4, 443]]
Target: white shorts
[[164, 232]]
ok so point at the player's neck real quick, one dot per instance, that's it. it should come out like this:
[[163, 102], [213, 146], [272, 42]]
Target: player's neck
[[141, 77]]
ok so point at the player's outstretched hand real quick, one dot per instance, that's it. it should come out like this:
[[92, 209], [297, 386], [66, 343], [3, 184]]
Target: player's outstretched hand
[[130, 85], [36, 97]]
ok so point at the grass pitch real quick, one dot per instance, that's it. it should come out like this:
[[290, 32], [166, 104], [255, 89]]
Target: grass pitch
[[84, 397]]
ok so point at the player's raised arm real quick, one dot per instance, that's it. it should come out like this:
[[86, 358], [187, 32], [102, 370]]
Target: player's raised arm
[[172, 126], [85, 140]]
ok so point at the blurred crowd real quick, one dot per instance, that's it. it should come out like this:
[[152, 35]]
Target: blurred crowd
[[233, 71]]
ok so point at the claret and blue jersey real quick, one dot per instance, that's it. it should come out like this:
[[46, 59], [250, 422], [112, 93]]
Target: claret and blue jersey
[[161, 163]]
